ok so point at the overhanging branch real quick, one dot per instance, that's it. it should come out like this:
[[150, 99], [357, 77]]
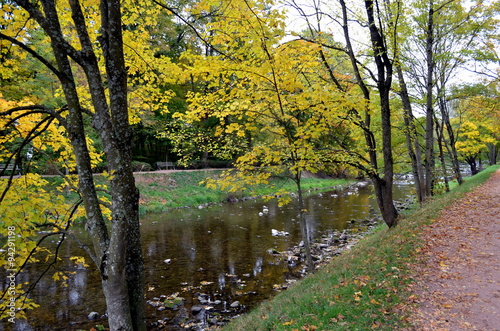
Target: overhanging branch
[[37, 56]]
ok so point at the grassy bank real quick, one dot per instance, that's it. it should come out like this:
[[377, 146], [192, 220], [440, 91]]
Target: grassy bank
[[363, 289], [163, 191]]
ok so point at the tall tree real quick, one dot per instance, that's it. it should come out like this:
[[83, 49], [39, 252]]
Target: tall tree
[[93, 54], [445, 35], [269, 94], [476, 128], [384, 65], [471, 143], [429, 104], [374, 26]]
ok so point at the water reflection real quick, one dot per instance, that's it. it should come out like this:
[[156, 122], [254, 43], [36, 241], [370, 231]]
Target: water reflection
[[221, 251]]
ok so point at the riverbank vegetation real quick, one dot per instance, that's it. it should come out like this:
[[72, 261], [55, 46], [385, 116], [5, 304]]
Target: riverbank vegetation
[[365, 288], [162, 191]]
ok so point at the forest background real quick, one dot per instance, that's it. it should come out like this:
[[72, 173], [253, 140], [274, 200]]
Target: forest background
[[369, 89]]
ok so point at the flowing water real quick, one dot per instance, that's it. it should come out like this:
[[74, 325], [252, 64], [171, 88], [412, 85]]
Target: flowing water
[[220, 254]]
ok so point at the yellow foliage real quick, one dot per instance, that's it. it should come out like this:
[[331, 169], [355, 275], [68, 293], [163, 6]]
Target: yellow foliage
[[27, 209], [473, 139], [29, 206], [270, 91]]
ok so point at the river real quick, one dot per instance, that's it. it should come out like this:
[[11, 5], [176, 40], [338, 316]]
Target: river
[[218, 257]]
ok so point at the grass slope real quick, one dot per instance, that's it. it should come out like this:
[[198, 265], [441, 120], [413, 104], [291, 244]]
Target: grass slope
[[163, 191], [160, 192], [363, 289]]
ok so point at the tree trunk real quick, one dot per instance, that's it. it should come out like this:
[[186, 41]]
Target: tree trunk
[[471, 160], [445, 116], [383, 193], [204, 159], [492, 153], [383, 187], [125, 194], [429, 127], [439, 133], [117, 252], [304, 229], [412, 143]]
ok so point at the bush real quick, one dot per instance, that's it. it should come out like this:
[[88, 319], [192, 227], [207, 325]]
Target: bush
[[208, 164], [141, 166]]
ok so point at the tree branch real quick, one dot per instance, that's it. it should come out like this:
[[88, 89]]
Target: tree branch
[[192, 27], [33, 53], [35, 109]]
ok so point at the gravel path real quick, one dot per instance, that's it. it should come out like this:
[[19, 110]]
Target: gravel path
[[458, 287]]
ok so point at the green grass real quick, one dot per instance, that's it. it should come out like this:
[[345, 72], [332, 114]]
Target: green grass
[[160, 191], [365, 288]]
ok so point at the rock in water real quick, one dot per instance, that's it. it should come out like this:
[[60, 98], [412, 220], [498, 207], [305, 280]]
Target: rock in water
[[197, 309], [93, 315]]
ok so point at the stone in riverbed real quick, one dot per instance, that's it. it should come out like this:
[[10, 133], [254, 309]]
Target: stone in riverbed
[[202, 300], [197, 309], [235, 304], [93, 315], [173, 303]]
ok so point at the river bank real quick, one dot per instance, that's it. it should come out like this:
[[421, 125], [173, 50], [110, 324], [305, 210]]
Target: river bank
[[164, 190], [224, 251], [367, 287], [354, 288]]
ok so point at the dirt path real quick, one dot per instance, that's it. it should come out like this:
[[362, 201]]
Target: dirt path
[[458, 287]]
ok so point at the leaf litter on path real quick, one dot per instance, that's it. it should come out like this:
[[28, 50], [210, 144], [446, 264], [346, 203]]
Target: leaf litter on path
[[458, 285]]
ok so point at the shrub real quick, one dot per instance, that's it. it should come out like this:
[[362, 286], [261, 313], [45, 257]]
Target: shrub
[[141, 166]]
